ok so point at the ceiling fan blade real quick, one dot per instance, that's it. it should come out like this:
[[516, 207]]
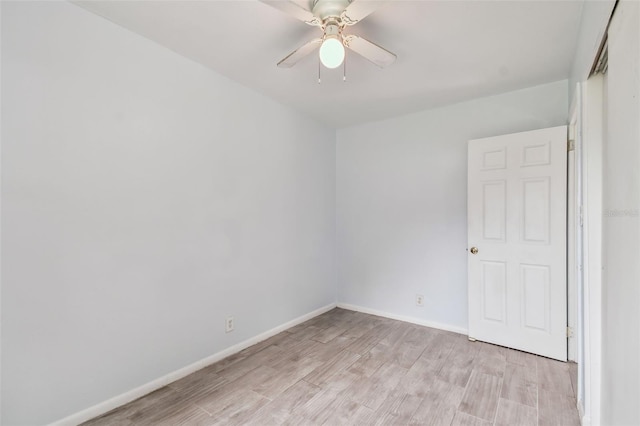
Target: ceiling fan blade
[[371, 51], [295, 10], [300, 53], [360, 9]]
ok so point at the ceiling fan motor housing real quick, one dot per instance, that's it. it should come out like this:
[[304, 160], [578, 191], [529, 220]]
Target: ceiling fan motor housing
[[324, 9]]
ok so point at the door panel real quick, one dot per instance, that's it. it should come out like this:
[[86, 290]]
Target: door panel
[[494, 207], [535, 288], [494, 279], [517, 220], [535, 210]]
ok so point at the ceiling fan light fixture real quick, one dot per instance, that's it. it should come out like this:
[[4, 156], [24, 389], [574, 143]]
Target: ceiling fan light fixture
[[332, 52]]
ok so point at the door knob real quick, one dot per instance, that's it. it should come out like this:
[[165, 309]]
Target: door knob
[[474, 250]]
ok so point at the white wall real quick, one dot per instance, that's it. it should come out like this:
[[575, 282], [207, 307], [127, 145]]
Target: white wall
[[621, 225], [144, 198], [401, 201]]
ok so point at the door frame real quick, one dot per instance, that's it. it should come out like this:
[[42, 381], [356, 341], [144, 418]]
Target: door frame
[[572, 221], [588, 112]]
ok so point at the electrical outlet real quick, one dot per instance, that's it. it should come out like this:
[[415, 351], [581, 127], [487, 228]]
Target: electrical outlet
[[419, 300], [228, 327]]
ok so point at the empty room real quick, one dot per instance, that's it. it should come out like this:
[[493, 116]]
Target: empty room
[[320, 212]]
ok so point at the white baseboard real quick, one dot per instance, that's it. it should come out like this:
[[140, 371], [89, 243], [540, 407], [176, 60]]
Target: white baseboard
[[584, 420], [411, 320], [153, 385]]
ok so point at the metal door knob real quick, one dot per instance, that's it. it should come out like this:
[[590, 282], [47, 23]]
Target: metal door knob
[[474, 250]]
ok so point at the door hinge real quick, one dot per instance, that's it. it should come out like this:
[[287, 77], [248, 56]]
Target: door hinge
[[571, 145], [569, 332]]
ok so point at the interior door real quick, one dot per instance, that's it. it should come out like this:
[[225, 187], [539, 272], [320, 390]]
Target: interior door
[[517, 241]]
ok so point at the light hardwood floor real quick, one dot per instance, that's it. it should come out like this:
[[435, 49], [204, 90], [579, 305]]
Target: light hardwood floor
[[346, 367]]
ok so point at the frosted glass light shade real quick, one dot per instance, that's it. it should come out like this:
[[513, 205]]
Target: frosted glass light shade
[[332, 52]]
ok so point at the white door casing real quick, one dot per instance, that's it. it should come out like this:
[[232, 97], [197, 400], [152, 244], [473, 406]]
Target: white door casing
[[517, 221]]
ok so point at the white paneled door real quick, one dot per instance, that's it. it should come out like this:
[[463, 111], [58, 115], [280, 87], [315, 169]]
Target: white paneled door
[[517, 241]]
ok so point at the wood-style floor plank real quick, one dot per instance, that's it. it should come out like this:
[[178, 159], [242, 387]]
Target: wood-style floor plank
[[193, 416], [553, 376], [521, 358], [278, 411], [463, 419], [239, 410], [366, 365], [350, 368], [397, 408], [481, 397], [244, 366], [460, 363], [338, 363], [120, 416], [556, 409], [439, 405], [520, 385], [490, 359], [372, 391], [419, 377], [345, 412], [573, 374], [329, 334], [198, 384], [174, 407], [285, 378], [511, 413], [439, 348], [238, 390], [368, 340], [318, 409]]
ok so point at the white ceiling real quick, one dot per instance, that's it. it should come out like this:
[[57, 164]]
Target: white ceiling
[[448, 51]]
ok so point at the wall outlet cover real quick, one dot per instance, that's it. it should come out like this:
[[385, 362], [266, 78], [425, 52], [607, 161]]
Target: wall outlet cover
[[228, 327]]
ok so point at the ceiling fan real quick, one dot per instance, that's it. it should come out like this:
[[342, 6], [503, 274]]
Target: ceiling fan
[[332, 17]]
